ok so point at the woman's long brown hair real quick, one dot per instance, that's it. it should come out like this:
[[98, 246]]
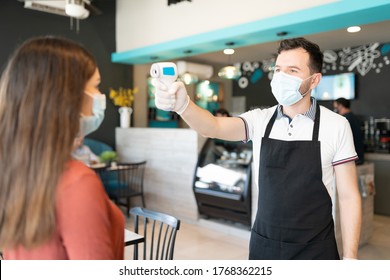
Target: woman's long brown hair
[[41, 93]]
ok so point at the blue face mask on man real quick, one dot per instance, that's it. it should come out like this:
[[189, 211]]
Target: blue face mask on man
[[89, 124], [285, 88]]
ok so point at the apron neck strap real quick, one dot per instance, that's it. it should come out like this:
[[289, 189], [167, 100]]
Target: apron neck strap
[[270, 123], [316, 127]]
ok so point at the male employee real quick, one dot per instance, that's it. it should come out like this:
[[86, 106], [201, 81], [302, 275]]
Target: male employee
[[343, 107], [301, 152]]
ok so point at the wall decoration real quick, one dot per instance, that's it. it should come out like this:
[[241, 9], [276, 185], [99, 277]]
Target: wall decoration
[[361, 59], [250, 72], [385, 49], [330, 57], [372, 95], [268, 65]]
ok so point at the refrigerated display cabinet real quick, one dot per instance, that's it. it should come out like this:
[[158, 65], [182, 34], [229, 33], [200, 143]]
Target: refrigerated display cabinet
[[222, 181]]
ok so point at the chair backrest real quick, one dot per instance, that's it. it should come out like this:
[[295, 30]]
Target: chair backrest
[[124, 179], [159, 230], [96, 146]]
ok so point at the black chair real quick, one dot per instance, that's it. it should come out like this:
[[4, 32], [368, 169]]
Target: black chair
[[124, 181], [159, 231]]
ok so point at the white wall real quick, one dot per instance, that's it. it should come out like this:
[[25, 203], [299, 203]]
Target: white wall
[[141, 23]]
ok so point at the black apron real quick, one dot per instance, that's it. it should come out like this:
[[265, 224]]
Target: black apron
[[294, 216]]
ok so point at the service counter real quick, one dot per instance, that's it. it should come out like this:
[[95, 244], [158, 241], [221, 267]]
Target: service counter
[[366, 182], [171, 156], [381, 162]]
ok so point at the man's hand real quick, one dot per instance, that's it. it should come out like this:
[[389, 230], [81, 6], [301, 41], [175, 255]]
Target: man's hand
[[174, 98]]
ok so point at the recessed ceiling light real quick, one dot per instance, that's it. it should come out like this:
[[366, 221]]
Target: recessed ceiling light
[[353, 29], [281, 34], [228, 51]]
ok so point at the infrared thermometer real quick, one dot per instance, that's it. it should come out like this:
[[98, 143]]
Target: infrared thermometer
[[166, 72]]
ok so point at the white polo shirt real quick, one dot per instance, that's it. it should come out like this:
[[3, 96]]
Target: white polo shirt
[[335, 136]]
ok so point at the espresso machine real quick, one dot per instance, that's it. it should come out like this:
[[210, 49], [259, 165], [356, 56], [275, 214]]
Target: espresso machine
[[382, 135], [376, 135]]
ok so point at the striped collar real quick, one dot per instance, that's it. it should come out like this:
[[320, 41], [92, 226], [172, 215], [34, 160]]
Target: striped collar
[[311, 113]]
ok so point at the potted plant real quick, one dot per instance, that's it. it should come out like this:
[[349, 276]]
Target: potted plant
[[108, 157], [124, 98]]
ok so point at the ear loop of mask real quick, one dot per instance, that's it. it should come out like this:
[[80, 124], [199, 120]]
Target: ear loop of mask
[[304, 94]]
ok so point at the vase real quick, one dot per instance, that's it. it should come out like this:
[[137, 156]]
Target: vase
[[125, 116]]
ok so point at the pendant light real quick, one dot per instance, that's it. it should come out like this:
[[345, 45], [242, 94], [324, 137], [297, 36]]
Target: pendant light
[[230, 71], [189, 78]]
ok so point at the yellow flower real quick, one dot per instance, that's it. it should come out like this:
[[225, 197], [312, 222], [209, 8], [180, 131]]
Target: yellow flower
[[123, 96]]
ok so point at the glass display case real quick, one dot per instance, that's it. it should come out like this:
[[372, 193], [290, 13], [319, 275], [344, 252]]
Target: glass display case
[[222, 181]]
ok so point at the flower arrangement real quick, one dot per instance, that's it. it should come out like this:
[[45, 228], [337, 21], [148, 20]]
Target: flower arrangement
[[123, 97]]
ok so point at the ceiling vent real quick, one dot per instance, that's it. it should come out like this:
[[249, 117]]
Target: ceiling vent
[[201, 70], [69, 8]]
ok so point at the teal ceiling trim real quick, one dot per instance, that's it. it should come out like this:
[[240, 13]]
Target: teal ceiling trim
[[323, 18]]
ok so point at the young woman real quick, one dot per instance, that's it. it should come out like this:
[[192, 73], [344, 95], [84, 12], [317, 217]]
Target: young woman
[[52, 207]]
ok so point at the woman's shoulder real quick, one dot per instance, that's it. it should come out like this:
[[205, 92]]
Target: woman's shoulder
[[77, 176], [75, 168]]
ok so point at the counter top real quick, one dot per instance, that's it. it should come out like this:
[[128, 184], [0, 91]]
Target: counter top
[[377, 156]]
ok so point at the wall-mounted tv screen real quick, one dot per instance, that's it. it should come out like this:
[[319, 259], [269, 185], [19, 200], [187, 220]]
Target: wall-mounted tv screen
[[332, 87]]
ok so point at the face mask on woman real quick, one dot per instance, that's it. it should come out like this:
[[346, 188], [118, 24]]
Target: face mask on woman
[[89, 124], [285, 88]]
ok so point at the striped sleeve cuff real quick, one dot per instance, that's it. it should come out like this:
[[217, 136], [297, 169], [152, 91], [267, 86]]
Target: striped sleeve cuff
[[345, 160], [246, 130]]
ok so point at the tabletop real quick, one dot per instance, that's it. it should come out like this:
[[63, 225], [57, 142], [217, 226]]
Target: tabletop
[[132, 238]]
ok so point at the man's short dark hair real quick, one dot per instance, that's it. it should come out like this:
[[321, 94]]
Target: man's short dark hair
[[222, 111], [343, 102], [316, 56]]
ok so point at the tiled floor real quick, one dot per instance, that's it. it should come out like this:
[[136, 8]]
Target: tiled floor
[[207, 240], [378, 247]]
